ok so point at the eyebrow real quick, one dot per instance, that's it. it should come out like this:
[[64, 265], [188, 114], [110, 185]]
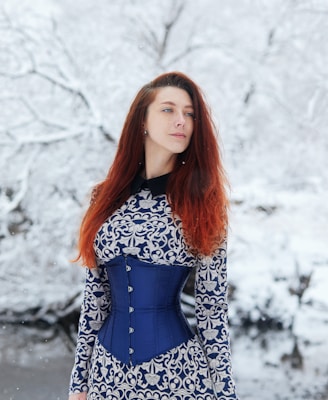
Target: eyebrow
[[173, 104]]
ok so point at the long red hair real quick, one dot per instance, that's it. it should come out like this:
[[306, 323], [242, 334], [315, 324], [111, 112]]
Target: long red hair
[[196, 188]]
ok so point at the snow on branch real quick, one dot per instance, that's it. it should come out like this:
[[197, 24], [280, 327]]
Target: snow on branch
[[46, 139], [34, 57], [8, 206], [156, 44]]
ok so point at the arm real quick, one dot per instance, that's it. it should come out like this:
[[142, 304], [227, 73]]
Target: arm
[[211, 311], [94, 310]]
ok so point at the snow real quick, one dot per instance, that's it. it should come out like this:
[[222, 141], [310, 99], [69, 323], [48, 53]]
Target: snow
[[68, 73]]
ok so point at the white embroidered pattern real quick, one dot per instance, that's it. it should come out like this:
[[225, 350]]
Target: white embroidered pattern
[[143, 227], [181, 373]]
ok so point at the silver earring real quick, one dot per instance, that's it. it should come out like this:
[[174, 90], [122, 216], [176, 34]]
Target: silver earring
[[183, 162], [145, 132]]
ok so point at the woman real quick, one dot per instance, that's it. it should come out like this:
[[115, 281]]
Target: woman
[[161, 211]]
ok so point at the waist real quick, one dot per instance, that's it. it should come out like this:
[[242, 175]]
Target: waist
[[136, 308], [145, 318], [140, 334]]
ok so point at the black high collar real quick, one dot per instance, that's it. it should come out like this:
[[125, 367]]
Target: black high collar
[[156, 185]]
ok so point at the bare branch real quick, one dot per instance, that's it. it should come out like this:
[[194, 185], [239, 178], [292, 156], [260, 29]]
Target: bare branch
[[34, 112], [7, 207], [154, 45], [168, 29], [63, 45]]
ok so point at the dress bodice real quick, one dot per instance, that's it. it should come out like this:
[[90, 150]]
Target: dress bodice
[[144, 227]]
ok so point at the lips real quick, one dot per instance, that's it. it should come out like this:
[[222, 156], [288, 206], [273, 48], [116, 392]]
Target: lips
[[178, 135]]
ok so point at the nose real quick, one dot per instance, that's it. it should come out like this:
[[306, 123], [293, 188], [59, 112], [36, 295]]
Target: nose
[[180, 120]]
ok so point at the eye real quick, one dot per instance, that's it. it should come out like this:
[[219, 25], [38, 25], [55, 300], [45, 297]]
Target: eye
[[167, 110], [190, 114]]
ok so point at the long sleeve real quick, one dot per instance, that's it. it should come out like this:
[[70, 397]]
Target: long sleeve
[[94, 310], [211, 311]]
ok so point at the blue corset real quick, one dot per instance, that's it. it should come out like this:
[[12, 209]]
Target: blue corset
[[146, 319]]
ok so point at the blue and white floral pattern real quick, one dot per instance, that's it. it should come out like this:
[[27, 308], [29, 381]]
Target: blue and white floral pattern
[[199, 369]]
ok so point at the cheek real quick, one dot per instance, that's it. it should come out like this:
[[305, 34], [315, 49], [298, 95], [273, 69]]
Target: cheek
[[159, 123], [191, 127], [189, 137]]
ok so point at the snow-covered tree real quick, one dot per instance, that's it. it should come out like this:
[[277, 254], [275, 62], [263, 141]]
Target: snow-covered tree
[[67, 75]]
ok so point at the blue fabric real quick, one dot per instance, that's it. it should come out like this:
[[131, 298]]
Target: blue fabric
[[146, 318]]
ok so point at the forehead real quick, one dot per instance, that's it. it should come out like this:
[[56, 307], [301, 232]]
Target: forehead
[[173, 94]]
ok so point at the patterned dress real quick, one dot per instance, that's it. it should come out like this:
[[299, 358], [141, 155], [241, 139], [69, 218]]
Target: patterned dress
[[127, 347]]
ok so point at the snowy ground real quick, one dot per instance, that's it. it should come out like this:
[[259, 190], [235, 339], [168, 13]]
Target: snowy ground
[[34, 364], [263, 367], [279, 266]]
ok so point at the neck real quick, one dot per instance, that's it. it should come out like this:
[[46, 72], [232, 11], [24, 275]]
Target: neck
[[156, 166]]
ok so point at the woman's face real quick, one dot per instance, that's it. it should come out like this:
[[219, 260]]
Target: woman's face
[[169, 122]]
